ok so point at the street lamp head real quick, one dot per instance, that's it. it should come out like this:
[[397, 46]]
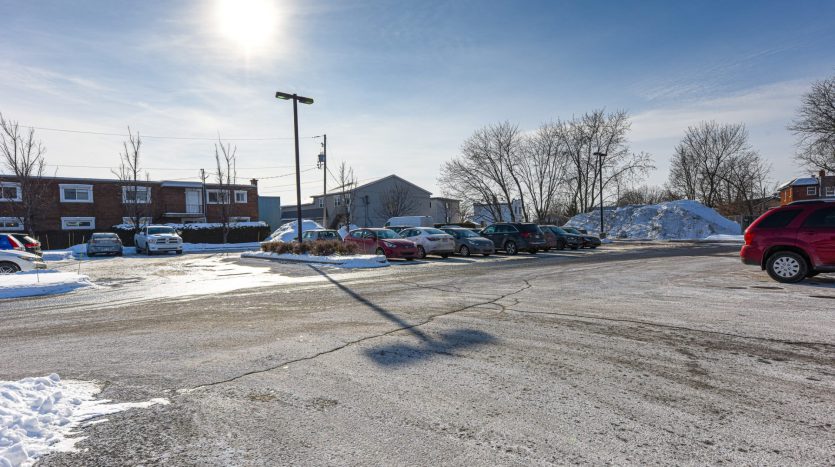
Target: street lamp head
[[285, 96]]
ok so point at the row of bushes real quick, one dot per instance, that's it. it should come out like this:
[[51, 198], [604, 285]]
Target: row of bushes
[[316, 248]]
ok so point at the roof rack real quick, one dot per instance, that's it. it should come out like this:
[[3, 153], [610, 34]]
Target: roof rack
[[812, 201]]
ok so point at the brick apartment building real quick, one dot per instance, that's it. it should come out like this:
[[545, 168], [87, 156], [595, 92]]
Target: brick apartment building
[[76, 207], [822, 186]]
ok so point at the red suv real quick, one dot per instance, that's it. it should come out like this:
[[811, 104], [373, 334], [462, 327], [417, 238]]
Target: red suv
[[793, 242]]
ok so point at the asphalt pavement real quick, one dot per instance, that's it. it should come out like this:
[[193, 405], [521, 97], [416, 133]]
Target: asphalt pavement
[[635, 354]]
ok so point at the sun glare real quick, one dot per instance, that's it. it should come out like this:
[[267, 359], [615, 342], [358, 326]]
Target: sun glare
[[251, 24]]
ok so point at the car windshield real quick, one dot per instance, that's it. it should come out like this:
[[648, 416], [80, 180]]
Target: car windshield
[[558, 230], [433, 231], [386, 233], [160, 230], [328, 235], [571, 230]]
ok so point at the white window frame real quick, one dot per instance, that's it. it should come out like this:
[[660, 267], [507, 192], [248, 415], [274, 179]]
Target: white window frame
[[337, 200], [245, 197], [811, 190], [10, 220], [65, 186], [239, 219], [139, 189], [218, 192], [14, 185], [143, 221], [321, 203], [66, 220], [830, 191]]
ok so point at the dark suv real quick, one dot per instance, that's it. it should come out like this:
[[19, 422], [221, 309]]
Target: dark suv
[[793, 242], [512, 237]]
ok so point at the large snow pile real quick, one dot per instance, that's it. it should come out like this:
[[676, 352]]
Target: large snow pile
[[32, 283], [38, 414], [288, 232], [673, 220]]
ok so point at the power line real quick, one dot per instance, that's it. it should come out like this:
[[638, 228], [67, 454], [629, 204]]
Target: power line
[[171, 168], [187, 138]]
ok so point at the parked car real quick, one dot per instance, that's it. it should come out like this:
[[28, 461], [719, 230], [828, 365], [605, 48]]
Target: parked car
[[9, 242], [468, 242], [589, 241], [411, 221], [30, 244], [104, 243], [430, 241], [511, 237], [320, 234], [12, 261], [793, 242], [158, 239], [563, 238], [382, 242]]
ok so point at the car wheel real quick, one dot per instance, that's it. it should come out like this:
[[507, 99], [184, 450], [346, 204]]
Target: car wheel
[[179, 252], [574, 247], [485, 254], [120, 253], [593, 247], [444, 255], [510, 248], [786, 266], [421, 252], [561, 245], [7, 267], [464, 250], [380, 252]]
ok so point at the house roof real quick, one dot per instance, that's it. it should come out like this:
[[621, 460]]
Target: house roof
[[803, 181], [170, 183], [338, 190]]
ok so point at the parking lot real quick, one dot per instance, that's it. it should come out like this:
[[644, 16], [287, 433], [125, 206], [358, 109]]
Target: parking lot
[[632, 353]]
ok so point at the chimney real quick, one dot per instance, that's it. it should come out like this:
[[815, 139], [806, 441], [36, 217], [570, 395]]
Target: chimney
[[254, 181]]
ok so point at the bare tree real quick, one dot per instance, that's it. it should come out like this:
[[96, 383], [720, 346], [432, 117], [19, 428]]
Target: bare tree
[[715, 164], [136, 191], [226, 177], [397, 201], [645, 194], [815, 127], [543, 171], [347, 189], [23, 158]]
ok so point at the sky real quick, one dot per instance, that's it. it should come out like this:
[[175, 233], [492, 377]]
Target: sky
[[398, 86]]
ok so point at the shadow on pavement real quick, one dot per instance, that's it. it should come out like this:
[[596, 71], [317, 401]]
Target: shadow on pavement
[[401, 354]]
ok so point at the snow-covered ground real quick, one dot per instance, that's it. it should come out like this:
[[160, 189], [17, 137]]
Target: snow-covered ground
[[81, 249], [674, 220], [32, 283], [288, 232], [347, 262], [39, 416]]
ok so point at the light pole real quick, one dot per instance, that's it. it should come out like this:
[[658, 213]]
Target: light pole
[[600, 156], [322, 163], [304, 100]]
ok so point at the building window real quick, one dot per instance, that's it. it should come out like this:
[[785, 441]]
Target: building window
[[239, 219], [830, 191], [321, 202], [11, 223], [78, 223], [347, 199], [240, 196], [143, 221], [217, 197], [337, 200], [9, 191], [76, 193], [136, 194], [811, 190]]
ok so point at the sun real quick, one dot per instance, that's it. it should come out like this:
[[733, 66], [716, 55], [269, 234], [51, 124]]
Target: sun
[[251, 24]]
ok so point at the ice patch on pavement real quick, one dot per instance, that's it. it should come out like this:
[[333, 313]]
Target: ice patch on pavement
[[32, 283], [38, 416], [674, 220], [346, 262]]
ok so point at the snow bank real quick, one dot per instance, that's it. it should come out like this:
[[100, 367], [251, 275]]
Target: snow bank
[[32, 283], [674, 220], [37, 416], [201, 225], [199, 247], [288, 232], [77, 251], [346, 262]]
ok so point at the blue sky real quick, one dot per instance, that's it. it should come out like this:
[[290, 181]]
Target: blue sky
[[398, 85]]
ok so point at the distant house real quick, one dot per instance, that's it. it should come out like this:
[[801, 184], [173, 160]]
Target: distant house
[[488, 213], [798, 189], [372, 204]]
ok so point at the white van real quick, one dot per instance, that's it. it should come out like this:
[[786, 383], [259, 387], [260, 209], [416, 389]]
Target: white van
[[411, 221]]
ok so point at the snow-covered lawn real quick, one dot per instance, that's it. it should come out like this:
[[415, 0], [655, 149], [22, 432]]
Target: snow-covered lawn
[[674, 220], [31, 283], [347, 262], [81, 250], [38, 416]]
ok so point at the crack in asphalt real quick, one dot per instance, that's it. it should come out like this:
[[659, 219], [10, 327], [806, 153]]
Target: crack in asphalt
[[679, 328], [364, 339]]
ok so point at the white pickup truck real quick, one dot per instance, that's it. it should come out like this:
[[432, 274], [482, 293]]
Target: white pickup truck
[[158, 239]]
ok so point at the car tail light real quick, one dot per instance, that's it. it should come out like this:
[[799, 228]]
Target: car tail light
[[527, 234], [32, 245], [749, 237]]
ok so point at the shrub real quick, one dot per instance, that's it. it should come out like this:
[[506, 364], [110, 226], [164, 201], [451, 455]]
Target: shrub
[[317, 248]]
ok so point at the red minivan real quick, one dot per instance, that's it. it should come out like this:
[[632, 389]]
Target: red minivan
[[793, 242], [382, 242]]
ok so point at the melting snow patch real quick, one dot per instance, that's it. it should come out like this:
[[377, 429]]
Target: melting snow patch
[[674, 220], [38, 416], [32, 283], [347, 262]]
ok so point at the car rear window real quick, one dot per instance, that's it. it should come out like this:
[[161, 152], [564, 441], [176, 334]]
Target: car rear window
[[528, 228], [821, 218], [778, 219]]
